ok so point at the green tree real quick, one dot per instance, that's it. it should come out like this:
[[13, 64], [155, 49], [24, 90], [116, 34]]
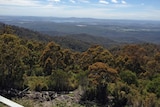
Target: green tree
[[48, 66], [154, 86], [59, 81], [11, 61], [133, 58], [99, 76], [157, 57], [49, 58], [95, 54], [129, 77]]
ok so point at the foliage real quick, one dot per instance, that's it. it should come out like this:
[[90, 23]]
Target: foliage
[[129, 77], [123, 76], [11, 64], [37, 83], [154, 86], [100, 73], [99, 77], [59, 81], [95, 54], [26, 102]]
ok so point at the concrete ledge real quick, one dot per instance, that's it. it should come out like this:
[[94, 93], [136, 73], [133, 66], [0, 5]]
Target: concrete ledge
[[9, 102]]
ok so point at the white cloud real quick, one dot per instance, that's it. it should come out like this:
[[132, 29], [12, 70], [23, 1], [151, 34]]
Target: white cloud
[[80, 1], [114, 1], [54, 0], [103, 2], [50, 8], [72, 1], [84, 1], [123, 2], [64, 11], [20, 2]]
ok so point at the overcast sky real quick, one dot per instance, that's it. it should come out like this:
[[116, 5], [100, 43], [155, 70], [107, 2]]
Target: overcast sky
[[104, 9]]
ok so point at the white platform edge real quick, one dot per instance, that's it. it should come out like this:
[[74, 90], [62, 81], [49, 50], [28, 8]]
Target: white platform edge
[[9, 102]]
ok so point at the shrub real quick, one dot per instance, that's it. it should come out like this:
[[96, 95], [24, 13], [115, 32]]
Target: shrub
[[37, 83], [59, 81], [154, 86], [129, 77]]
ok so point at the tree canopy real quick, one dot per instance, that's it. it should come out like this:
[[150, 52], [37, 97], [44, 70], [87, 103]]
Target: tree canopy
[[123, 76]]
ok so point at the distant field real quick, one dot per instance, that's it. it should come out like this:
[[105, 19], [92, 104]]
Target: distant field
[[128, 31]]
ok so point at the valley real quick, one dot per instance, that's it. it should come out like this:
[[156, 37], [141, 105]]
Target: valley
[[74, 62], [120, 31]]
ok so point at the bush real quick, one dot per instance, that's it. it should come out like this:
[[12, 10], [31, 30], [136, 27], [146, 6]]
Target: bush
[[37, 83], [59, 81], [129, 77], [154, 86]]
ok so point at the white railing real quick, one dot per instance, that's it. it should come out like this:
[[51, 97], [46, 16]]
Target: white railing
[[9, 102]]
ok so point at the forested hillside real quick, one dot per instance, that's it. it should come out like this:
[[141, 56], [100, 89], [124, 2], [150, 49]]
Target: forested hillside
[[67, 42], [77, 42], [122, 76], [128, 31]]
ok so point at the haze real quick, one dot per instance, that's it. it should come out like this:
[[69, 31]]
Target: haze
[[102, 9]]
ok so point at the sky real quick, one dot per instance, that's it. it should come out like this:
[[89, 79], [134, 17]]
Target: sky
[[101, 9]]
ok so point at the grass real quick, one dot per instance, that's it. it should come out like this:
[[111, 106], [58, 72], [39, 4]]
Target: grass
[[56, 103], [25, 102], [2, 105], [37, 83]]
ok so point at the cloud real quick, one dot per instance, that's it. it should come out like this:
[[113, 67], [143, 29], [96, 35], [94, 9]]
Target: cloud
[[20, 2], [80, 1], [72, 1], [54, 0], [123, 2], [114, 1], [65, 8], [103, 2], [84, 1]]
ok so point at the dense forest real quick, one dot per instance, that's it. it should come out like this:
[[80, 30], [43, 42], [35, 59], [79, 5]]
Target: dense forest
[[127, 75]]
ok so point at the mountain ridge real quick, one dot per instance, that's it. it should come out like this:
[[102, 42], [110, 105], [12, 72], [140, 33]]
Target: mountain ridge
[[77, 42], [128, 31]]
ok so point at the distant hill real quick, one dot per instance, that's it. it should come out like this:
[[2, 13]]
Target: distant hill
[[83, 41], [77, 42], [63, 29], [128, 31], [23, 32]]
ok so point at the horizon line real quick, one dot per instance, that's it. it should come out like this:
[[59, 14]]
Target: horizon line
[[116, 19]]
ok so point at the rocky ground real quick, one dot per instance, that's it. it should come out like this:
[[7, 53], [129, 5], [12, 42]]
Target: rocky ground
[[50, 99]]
